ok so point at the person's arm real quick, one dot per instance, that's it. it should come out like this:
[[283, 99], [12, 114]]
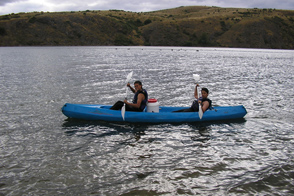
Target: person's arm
[[132, 89], [141, 97], [196, 92], [205, 106]]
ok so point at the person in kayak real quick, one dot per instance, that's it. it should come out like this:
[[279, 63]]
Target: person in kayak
[[139, 101], [204, 101]]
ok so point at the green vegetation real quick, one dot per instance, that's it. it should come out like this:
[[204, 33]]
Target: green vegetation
[[183, 26]]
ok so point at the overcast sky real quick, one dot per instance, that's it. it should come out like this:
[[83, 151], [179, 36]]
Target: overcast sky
[[16, 6]]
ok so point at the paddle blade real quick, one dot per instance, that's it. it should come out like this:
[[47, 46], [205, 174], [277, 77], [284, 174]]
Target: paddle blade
[[123, 110], [129, 76], [200, 112], [200, 108], [196, 77]]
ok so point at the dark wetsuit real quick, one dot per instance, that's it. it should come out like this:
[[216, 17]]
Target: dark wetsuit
[[195, 106]]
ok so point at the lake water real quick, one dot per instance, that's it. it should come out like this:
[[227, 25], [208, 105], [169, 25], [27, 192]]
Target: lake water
[[44, 153]]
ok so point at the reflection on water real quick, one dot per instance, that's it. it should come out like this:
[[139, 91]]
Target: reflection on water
[[44, 153], [156, 154]]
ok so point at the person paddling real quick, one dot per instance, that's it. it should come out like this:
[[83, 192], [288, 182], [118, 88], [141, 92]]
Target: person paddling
[[203, 100], [139, 102]]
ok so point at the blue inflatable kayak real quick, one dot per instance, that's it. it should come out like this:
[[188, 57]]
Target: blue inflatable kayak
[[165, 114]]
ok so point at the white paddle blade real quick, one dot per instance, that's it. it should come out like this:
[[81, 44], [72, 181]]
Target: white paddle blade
[[123, 110], [196, 77], [200, 108], [200, 112], [129, 76]]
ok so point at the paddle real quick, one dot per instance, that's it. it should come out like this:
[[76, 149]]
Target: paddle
[[197, 78], [123, 109]]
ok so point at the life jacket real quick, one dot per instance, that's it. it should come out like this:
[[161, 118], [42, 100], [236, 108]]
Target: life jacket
[[209, 101], [195, 104], [144, 102]]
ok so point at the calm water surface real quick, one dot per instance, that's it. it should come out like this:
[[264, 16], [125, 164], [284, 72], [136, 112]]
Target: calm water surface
[[43, 153]]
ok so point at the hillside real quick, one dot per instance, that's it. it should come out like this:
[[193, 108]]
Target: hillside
[[183, 26]]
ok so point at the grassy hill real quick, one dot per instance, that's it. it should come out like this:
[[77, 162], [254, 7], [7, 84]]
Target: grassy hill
[[183, 26]]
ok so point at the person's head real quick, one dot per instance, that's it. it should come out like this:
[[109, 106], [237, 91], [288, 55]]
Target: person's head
[[204, 92], [138, 85]]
